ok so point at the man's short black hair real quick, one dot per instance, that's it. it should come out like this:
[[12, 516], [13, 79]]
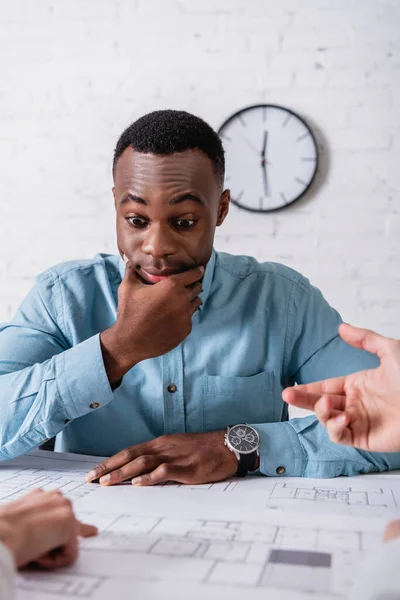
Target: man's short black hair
[[166, 132]]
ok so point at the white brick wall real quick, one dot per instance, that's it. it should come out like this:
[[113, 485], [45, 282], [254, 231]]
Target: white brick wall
[[74, 74]]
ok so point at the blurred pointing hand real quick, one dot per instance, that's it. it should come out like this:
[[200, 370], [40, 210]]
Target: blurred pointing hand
[[361, 409]]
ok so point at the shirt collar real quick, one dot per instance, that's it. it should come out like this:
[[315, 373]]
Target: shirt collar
[[207, 279]]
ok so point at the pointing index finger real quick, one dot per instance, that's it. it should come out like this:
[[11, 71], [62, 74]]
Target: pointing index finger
[[308, 394], [327, 386], [86, 531], [300, 398]]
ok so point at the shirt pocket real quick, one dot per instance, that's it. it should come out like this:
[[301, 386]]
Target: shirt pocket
[[232, 400]]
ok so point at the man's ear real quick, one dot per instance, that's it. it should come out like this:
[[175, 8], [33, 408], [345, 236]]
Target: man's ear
[[115, 198], [223, 207]]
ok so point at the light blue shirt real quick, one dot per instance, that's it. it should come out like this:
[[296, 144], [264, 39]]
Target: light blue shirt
[[261, 328]]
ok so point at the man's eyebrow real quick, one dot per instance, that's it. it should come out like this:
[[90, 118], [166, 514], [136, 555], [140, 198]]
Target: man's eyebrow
[[184, 197], [177, 200], [132, 198]]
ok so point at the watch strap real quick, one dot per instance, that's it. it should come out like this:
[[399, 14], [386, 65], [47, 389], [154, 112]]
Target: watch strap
[[246, 463]]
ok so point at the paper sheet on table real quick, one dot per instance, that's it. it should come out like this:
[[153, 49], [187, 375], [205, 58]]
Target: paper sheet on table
[[268, 537]]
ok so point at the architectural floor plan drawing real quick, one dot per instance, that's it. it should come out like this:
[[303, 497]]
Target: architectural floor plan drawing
[[256, 554], [355, 496], [66, 476], [208, 554], [195, 541], [349, 496], [72, 485]]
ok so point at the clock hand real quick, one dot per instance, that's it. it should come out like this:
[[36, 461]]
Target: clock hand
[[265, 179], [264, 163], [264, 149]]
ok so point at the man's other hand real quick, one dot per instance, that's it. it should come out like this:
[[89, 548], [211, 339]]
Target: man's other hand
[[190, 458]]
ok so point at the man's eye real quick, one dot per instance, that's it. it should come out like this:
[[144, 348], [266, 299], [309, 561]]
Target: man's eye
[[185, 223], [137, 222]]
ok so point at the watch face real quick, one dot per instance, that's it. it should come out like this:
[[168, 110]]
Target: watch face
[[271, 157], [243, 438]]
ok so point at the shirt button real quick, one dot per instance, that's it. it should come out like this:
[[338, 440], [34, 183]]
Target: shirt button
[[172, 389], [280, 470], [94, 405]]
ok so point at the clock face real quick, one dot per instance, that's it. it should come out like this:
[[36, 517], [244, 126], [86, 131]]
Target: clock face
[[243, 438], [271, 157]]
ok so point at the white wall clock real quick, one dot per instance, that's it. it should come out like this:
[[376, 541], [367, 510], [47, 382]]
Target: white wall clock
[[271, 157]]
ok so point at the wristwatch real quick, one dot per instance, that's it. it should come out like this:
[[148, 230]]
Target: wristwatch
[[244, 441]]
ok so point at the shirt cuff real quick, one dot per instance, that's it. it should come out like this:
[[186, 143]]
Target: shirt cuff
[[82, 378], [281, 453]]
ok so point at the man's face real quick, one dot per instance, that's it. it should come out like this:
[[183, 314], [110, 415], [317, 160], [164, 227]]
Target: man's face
[[167, 208]]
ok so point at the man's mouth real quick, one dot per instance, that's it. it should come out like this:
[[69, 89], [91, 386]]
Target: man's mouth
[[155, 276]]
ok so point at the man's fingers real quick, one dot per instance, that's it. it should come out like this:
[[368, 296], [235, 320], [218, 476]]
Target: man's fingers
[[188, 277], [165, 472], [195, 304], [86, 531], [115, 462], [142, 464], [392, 531], [131, 275], [364, 338], [194, 290]]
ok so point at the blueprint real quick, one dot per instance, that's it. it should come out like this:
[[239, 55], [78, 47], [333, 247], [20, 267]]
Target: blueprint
[[367, 496], [267, 537]]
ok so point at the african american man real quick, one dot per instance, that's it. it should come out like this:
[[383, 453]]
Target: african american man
[[170, 357]]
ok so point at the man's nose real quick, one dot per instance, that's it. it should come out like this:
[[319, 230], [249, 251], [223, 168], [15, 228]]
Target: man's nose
[[159, 241]]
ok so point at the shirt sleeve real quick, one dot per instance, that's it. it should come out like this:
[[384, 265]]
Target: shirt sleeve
[[313, 347], [7, 574], [314, 351], [44, 382], [378, 576], [302, 448]]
